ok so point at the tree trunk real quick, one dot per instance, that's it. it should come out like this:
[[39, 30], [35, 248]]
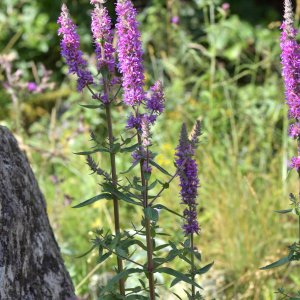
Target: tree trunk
[[31, 266]]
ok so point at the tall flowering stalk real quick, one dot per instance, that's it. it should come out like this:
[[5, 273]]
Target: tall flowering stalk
[[70, 49], [290, 60], [130, 65], [189, 183]]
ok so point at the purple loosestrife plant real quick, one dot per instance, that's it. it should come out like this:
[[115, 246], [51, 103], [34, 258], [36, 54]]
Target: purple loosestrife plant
[[136, 190], [290, 60]]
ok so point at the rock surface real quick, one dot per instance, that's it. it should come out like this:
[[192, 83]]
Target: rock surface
[[31, 266]]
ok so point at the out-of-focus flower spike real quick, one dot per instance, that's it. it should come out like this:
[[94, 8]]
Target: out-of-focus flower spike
[[197, 131]]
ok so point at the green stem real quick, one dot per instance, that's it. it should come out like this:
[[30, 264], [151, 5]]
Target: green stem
[[193, 261], [147, 224], [114, 177]]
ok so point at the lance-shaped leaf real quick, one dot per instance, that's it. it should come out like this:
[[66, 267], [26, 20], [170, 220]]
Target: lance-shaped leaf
[[177, 296], [152, 185], [160, 206], [161, 247], [285, 211], [115, 148], [280, 262], [104, 257], [120, 276], [91, 152], [119, 194], [147, 175], [92, 106], [186, 260], [137, 297], [205, 269], [154, 164], [86, 253], [94, 199], [129, 243], [129, 149], [137, 162], [178, 275], [197, 254], [151, 213]]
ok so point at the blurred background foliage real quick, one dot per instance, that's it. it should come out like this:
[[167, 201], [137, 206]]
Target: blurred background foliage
[[219, 65]]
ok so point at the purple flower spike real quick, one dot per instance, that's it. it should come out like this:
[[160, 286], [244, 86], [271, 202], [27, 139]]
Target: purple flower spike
[[70, 49], [130, 53], [155, 104], [189, 188], [290, 60], [103, 35]]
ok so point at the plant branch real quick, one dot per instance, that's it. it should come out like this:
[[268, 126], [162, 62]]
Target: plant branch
[[176, 173], [123, 257]]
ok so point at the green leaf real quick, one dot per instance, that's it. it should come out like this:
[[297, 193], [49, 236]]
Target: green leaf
[[121, 252], [120, 276], [129, 243], [120, 195], [91, 106], [94, 199], [172, 245], [197, 254], [86, 253], [178, 275], [91, 152], [147, 175], [160, 206], [142, 283], [151, 213], [115, 148], [137, 162], [204, 269], [161, 247], [177, 296], [186, 260], [137, 297], [152, 232], [127, 141], [104, 71], [129, 149], [118, 104], [283, 211], [152, 185], [154, 164], [139, 187], [104, 257], [278, 263], [166, 185]]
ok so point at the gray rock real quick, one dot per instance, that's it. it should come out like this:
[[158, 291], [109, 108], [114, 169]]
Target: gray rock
[[31, 266]]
